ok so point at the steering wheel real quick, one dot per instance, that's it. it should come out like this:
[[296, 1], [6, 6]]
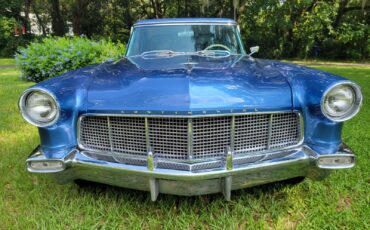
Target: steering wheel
[[217, 45]]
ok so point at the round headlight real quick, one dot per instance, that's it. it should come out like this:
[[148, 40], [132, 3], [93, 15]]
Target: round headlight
[[341, 102], [39, 108]]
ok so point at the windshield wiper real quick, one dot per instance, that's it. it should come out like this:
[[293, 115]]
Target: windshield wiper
[[213, 53], [159, 53], [170, 53]]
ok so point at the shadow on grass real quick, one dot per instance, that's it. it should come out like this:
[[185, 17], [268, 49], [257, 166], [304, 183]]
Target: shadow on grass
[[274, 189]]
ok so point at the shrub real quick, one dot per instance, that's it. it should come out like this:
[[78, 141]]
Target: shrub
[[8, 41], [54, 56]]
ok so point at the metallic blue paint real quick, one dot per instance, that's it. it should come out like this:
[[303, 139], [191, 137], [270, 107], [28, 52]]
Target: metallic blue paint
[[164, 86], [237, 83], [191, 85]]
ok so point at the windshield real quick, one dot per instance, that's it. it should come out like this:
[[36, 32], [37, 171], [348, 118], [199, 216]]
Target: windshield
[[184, 38]]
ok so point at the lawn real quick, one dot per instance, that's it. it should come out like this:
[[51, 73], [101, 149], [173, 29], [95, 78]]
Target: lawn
[[7, 61], [37, 202]]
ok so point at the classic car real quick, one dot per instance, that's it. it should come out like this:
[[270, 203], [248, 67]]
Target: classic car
[[188, 111]]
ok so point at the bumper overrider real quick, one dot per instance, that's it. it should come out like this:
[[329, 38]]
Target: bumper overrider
[[234, 174]]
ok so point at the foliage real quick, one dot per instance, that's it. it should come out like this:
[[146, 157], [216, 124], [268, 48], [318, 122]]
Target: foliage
[[54, 56], [10, 8], [32, 201], [334, 29], [306, 29], [8, 42], [6, 28]]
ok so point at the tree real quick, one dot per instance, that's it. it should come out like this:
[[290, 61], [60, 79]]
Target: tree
[[79, 11], [57, 21], [283, 29]]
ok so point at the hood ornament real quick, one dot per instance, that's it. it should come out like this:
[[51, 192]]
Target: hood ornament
[[189, 65]]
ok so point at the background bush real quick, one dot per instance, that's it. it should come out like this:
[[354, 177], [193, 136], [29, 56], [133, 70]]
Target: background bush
[[54, 56], [8, 41]]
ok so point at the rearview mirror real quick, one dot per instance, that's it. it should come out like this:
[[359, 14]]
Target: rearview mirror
[[254, 49]]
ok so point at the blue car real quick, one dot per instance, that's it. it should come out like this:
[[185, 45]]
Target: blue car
[[188, 111]]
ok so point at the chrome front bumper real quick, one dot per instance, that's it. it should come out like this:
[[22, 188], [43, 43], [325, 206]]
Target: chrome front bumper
[[301, 162]]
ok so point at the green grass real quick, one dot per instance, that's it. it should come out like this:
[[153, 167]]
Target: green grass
[[326, 61], [36, 201], [7, 61]]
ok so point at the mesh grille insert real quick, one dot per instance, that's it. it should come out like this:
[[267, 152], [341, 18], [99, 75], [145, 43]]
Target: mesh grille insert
[[179, 138], [168, 137], [211, 136], [251, 133]]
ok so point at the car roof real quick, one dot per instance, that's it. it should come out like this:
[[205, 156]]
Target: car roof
[[184, 20]]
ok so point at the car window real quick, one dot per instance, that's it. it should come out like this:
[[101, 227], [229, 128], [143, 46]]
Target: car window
[[184, 38]]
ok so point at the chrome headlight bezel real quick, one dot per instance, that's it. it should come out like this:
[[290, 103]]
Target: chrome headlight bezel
[[352, 111], [23, 107]]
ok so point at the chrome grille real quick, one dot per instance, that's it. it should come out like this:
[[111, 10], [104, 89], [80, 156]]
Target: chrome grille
[[211, 136], [94, 133], [127, 134], [180, 138], [284, 130], [251, 133], [168, 137]]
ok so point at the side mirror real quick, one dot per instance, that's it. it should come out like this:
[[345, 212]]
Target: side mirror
[[254, 49]]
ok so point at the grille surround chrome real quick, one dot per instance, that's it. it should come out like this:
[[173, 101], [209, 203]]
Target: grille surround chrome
[[192, 157]]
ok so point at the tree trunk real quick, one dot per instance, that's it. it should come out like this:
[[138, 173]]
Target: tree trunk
[[343, 9], [186, 9], [157, 8], [78, 14], [39, 20], [57, 22], [128, 16], [178, 8], [340, 13], [26, 22], [235, 7]]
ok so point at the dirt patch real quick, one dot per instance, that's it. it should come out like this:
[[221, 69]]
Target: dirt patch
[[343, 203]]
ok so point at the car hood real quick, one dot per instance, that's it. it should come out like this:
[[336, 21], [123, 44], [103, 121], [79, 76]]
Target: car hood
[[187, 83]]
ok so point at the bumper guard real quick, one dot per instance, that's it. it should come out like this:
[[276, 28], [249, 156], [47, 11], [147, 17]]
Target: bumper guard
[[301, 162]]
